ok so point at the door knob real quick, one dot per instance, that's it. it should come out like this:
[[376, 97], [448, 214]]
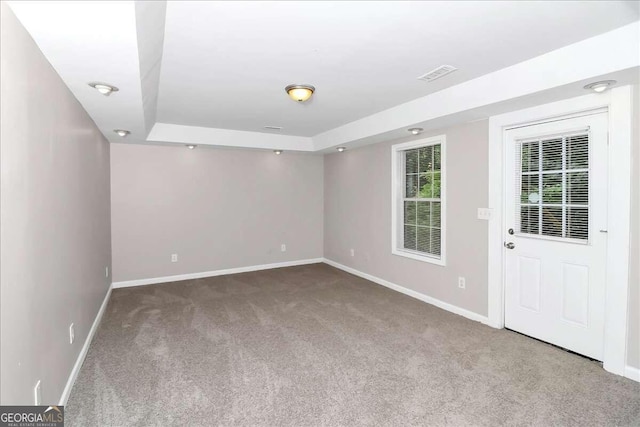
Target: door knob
[[509, 245]]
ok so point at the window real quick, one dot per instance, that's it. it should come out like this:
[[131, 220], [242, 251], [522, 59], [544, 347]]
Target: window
[[418, 215], [553, 183]]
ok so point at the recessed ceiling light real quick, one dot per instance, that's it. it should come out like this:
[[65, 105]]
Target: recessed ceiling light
[[341, 149], [103, 88], [415, 131], [191, 146], [600, 87], [122, 132], [300, 93], [278, 152]]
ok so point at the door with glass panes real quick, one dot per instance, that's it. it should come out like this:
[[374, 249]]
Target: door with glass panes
[[555, 241]]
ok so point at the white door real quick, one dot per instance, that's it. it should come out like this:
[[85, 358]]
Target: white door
[[555, 242]]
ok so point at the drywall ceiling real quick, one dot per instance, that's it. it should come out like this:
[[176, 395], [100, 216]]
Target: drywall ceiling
[[214, 73], [226, 64]]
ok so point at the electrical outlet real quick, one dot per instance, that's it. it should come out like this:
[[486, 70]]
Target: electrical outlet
[[283, 248], [106, 272], [353, 252], [72, 333], [174, 257], [37, 395], [462, 283]]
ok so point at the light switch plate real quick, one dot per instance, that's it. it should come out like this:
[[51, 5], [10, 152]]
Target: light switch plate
[[484, 213]]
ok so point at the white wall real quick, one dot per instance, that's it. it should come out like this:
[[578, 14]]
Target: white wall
[[633, 348], [215, 208], [54, 220]]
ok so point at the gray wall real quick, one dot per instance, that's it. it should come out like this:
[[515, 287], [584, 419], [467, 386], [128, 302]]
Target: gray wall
[[215, 208], [54, 216], [357, 214], [633, 348]]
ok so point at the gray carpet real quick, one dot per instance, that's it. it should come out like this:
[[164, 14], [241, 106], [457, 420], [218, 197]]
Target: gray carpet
[[311, 346]]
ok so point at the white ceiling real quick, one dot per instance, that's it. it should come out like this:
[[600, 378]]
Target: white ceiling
[[218, 67], [226, 64]]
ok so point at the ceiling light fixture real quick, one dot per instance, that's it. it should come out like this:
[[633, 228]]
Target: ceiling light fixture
[[341, 149], [122, 132], [278, 152], [191, 146], [415, 131], [103, 88], [300, 93], [600, 87]]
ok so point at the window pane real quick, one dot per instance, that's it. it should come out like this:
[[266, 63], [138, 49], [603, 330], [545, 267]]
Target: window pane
[[578, 152], [530, 156], [436, 242], [424, 239], [426, 185], [437, 165], [529, 219], [410, 237], [411, 186], [411, 161], [552, 188], [424, 213], [436, 185], [578, 188], [426, 159], [578, 223], [410, 213], [435, 214], [552, 154], [552, 221], [561, 189], [529, 192]]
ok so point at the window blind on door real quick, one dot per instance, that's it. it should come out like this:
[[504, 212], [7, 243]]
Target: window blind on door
[[552, 187]]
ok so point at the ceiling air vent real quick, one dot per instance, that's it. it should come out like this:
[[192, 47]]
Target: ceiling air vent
[[441, 71], [278, 128]]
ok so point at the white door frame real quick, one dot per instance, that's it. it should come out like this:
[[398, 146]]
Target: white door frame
[[618, 103]]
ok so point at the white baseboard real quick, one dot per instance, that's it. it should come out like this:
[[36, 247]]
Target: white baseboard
[[632, 373], [422, 297], [191, 276], [83, 353]]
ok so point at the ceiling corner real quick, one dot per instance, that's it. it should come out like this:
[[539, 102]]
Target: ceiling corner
[[150, 29]]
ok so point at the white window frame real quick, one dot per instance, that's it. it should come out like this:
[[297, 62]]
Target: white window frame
[[397, 199]]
